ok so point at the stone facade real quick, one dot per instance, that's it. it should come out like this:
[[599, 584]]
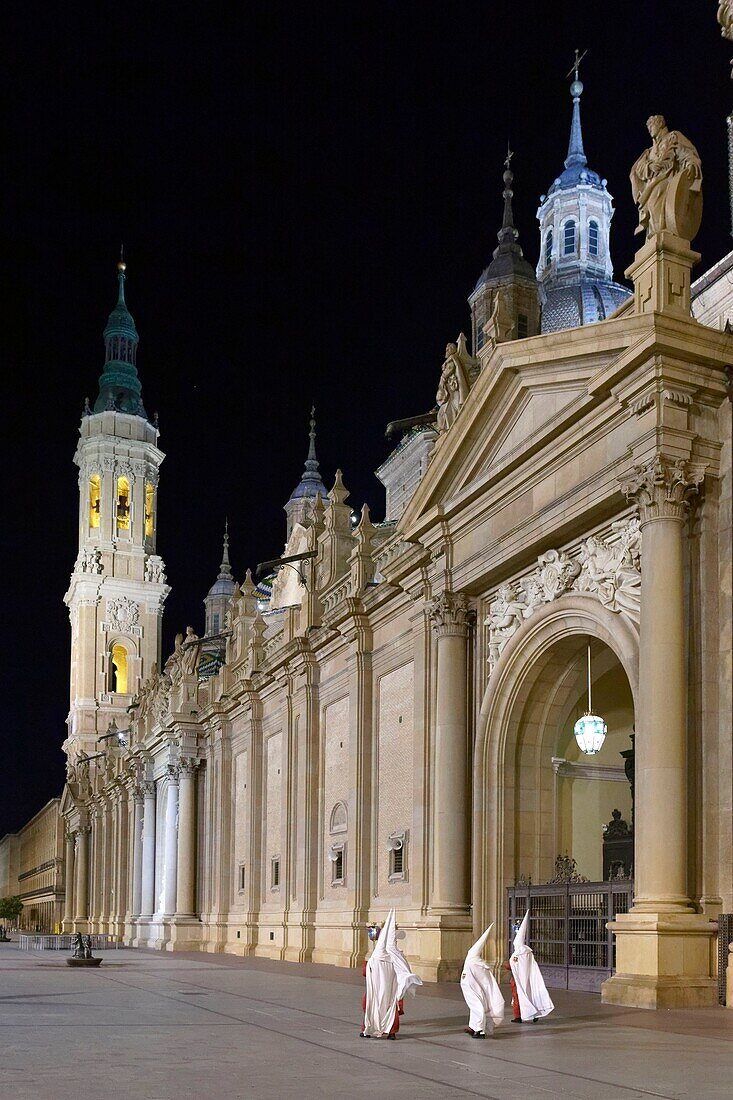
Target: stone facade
[[32, 866]]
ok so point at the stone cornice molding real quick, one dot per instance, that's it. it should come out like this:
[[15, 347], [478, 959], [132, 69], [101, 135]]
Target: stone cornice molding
[[450, 615], [662, 487], [573, 770]]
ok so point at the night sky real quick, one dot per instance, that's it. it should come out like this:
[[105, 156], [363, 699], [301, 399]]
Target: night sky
[[307, 194]]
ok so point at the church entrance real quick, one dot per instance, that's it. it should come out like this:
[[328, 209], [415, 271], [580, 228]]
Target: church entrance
[[555, 825]]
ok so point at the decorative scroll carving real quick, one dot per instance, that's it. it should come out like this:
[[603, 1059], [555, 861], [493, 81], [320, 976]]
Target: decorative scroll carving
[[666, 182], [662, 488], [609, 569], [456, 376], [450, 614], [122, 614], [566, 870]]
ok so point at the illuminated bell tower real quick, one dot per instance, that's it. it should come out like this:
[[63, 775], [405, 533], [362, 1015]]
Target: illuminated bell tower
[[117, 588]]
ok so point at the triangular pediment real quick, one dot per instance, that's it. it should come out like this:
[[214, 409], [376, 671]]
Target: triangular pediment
[[528, 393]]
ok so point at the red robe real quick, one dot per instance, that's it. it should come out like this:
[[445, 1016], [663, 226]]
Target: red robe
[[515, 997]]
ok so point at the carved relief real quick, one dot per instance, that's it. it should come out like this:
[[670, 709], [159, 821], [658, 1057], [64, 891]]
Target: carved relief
[[122, 614], [609, 569], [725, 18]]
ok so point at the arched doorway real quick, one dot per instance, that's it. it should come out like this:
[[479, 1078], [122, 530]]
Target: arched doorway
[[535, 795]]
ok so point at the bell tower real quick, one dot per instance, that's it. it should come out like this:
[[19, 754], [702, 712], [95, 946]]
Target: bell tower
[[117, 588]]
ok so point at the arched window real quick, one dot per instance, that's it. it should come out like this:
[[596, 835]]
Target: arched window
[[149, 496], [339, 818], [569, 238], [593, 241], [548, 246], [123, 504], [118, 669], [95, 495]]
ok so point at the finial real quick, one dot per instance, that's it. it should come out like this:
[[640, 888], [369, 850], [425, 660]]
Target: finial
[[509, 155], [508, 233], [576, 157], [87, 407], [121, 265]]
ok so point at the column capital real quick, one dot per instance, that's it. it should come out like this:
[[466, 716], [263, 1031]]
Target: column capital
[[450, 614], [138, 792], [148, 788], [187, 765], [84, 830], [662, 487], [173, 771]]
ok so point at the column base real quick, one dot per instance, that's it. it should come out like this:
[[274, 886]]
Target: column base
[[185, 934], [445, 938], [663, 960]]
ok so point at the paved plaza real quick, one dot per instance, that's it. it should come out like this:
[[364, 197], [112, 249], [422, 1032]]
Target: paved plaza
[[151, 1026]]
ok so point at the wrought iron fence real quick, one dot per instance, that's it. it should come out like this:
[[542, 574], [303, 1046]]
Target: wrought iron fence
[[567, 929]]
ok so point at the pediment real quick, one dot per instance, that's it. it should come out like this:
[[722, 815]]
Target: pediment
[[528, 393]]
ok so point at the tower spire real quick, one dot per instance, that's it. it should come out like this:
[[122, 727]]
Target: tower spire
[[225, 569], [310, 484], [119, 385], [508, 232], [576, 157]]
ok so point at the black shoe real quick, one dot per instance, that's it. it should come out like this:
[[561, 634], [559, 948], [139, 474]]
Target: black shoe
[[478, 1035], [515, 1021]]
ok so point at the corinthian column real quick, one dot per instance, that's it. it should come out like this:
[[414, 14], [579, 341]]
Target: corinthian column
[[663, 948], [171, 842], [81, 891], [69, 882], [147, 899], [451, 619], [137, 850], [186, 866]]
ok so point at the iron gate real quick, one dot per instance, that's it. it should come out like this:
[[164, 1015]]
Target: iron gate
[[567, 929]]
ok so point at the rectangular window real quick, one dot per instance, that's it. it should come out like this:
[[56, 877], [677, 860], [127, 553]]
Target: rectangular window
[[275, 874], [569, 238], [522, 326], [336, 855], [397, 846], [593, 238], [242, 878], [215, 624]]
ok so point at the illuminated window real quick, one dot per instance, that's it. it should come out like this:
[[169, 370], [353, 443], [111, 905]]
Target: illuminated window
[[119, 670], [569, 238], [149, 491], [548, 246], [123, 504], [593, 238], [95, 494]]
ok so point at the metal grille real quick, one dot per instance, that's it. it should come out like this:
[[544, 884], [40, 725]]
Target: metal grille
[[725, 939], [567, 929]]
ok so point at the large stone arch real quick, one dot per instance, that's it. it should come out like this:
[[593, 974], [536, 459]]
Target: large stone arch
[[536, 654]]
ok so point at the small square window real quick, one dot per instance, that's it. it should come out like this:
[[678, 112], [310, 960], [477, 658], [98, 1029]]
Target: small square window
[[275, 873]]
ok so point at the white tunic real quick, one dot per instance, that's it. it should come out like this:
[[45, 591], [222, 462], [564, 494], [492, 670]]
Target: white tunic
[[381, 987], [534, 1000], [480, 989]]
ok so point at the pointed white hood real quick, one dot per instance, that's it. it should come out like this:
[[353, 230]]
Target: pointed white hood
[[534, 1000], [407, 982], [381, 985], [480, 989]]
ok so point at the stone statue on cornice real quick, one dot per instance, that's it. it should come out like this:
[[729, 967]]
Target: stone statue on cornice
[[725, 18], [456, 377], [666, 183]]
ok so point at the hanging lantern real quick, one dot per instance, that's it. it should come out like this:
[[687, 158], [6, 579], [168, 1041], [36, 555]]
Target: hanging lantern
[[590, 730]]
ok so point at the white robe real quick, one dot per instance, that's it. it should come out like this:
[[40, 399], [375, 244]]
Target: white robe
[[407, 982], [381, 987], [480, 989], [534, 1000]]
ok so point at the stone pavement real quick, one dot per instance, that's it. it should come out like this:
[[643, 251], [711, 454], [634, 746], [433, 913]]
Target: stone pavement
[[151, 1026]]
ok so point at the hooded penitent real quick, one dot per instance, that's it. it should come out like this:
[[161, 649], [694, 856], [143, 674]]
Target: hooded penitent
[[534, 999], [381, 986], [407, 982], [480, 990]]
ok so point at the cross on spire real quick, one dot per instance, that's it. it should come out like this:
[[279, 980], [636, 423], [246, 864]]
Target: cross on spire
[[576, 64]]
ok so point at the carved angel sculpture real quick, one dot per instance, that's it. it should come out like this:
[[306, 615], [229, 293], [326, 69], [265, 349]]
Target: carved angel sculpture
[[666, 183], [455, 382]]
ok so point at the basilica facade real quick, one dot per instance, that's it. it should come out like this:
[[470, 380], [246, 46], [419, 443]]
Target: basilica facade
[[388, 718]]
